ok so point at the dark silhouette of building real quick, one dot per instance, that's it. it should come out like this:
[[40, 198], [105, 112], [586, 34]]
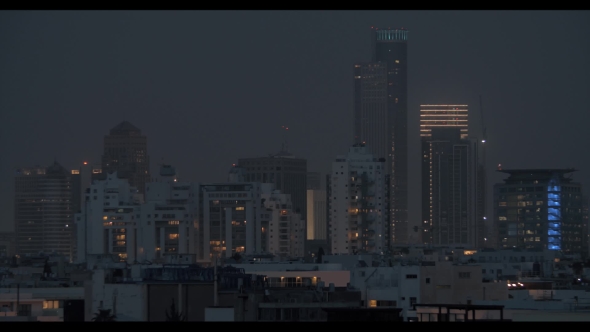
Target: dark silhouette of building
[[285, 171], [380, 116], [125, 152]]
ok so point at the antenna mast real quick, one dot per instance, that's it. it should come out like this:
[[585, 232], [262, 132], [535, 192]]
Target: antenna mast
[[285, 147], [483, 165]]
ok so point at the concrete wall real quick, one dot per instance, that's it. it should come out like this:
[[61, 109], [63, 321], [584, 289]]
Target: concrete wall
[[219, 314]]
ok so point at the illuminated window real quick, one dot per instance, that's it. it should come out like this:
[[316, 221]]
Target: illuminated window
[[120, 243], [105, 218], [120, 237], [173, 222], [173, 236], [240, 208], [396, 61], [50, 304], [373, 303], [75, 171]]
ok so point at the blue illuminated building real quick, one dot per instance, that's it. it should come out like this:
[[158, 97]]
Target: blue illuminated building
[[541, 209]]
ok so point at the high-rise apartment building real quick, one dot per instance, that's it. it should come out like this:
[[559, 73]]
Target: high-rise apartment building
[[540, 209], [125, 152], [44, 205], [380, 117], [451, 211], [358, 211]]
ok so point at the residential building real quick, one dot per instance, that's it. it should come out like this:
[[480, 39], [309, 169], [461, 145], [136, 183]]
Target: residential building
[[286, 229], [108, 223], [167, 220], [444, 116], [44, 204], [358, 211], [540, 209]]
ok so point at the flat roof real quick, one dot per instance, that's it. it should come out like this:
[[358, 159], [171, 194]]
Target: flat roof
[[537, 171], [463, 306]]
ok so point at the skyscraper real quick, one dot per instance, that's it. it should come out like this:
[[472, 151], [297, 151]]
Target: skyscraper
[[380, 117], [443, 116], [125, 152], [451, 211], [44, 208]]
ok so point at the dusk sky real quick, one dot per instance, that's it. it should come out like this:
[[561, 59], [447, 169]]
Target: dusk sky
[[209, 87]]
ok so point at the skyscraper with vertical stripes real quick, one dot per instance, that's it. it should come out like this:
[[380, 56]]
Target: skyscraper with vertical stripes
[[380, 117]]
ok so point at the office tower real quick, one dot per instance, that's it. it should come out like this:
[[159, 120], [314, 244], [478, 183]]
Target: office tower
[[358, 211], [450, 211], [107, 222], [316, 215], [434, 117], [44, 206], [125, 152], [540, 209], [287, 173], [314, 181], [380, 117]]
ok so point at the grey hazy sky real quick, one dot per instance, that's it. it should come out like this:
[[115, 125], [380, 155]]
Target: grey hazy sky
[[208, 87]]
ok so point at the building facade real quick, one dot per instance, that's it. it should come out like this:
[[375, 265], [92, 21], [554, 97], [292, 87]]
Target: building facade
[[358, 206], [451, 210], [444, 116], [125, 152], [44, 206], [317, 226], [540, 209]]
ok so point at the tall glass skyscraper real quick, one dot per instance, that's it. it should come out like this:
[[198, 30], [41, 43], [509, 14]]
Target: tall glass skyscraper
[[380, 116]]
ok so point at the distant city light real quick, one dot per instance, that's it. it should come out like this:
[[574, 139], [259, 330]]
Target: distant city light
[[483, 140], [85, 163]]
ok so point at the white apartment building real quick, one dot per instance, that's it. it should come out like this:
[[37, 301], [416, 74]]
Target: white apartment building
[[168, 219], [247, 218], [286, 229], [230, 220], [358, 204], [107, 222]]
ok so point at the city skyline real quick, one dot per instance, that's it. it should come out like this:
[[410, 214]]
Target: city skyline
[[457, 76]]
